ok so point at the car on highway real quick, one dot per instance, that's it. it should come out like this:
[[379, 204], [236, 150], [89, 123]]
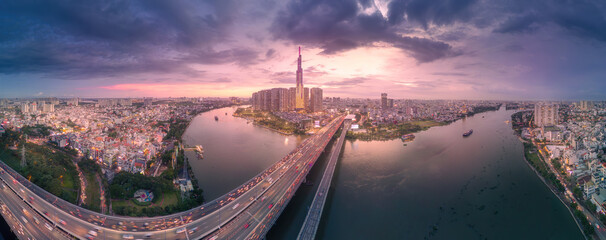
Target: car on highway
[[246, 226], [180, 230], [127, 236], [193, 230], [88, 236], [149, 235], [48, 226], [24, 220], [93, 233], [63, 222], [270, 205], [36, 220]]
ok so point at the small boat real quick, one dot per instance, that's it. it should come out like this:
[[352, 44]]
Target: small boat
[[200, 151], [216, 118], [466, 134], [408, 137]]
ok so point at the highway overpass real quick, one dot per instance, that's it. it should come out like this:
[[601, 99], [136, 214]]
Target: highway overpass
[[246, 212], [314, 214]]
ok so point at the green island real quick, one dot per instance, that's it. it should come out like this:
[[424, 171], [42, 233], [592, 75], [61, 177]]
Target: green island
[[392, 131], [269, 120]]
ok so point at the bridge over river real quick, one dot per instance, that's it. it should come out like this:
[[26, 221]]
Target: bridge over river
[[246, 212]]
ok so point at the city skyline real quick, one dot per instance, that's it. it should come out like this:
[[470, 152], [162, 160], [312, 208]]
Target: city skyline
[[441, 50]]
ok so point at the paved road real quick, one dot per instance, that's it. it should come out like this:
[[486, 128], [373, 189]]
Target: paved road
[[265, 209], [16, 211], [314, 215], [569, 197], [251, 201]]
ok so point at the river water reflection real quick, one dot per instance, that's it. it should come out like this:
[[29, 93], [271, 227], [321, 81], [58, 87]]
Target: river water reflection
[[440, 186]]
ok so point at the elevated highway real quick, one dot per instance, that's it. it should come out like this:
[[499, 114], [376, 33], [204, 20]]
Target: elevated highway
[[314, 215], [246, 212]]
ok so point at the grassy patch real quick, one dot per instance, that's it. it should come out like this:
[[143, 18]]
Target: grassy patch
[[165, 203], [93, 196], [10, 158], [392, 131], [48, 168]]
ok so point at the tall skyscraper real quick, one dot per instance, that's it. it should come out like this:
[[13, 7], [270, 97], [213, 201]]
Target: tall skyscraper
[[24, 107], [292, 102], [545, 114], [316, 100], [383, 100], [300, 98], [306, 98]]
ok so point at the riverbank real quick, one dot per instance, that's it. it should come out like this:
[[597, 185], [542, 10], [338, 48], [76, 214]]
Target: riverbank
[[393, 131], [552, 188], [549, 177], [269, 121]]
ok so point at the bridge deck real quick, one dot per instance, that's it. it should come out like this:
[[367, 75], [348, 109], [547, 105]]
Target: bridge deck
[[312, 221]]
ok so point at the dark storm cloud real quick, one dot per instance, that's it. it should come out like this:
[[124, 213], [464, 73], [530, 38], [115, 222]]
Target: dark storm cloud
[[337, 26], [84, 39], [424, 12], [518, 24], [582, 18], [270, 53]]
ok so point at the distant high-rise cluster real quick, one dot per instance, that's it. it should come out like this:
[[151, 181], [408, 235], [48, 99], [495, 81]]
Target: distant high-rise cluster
[[386, 103], [546, 114], [37, 107], [586, 105], [112, 102], [289, 99], [73, 102]]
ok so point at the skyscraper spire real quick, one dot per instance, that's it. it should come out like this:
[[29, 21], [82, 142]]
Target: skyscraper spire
[[299, 99]]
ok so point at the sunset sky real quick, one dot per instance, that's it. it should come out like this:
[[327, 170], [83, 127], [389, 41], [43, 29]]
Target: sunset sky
[[422, 49]]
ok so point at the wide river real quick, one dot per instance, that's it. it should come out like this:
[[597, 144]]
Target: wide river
[[440, 186]]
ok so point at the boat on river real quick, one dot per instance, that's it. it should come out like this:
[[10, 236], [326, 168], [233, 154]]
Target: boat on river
[[466, 134], [408, 137], [200, 151]]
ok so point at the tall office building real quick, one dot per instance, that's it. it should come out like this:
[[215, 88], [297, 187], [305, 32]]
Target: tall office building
[[33, 107], [24, 107], [586, 105], [306, 98], [383, 100], [49, 107], [73, 102], [546, 114], [287, 99], [300, 98], [292, 102], [316, 100]]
